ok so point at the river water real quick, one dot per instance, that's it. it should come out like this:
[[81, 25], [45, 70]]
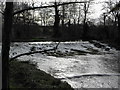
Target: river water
[[98, 70]]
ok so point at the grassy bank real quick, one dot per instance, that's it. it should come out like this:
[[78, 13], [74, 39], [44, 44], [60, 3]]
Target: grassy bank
[[24, 74]]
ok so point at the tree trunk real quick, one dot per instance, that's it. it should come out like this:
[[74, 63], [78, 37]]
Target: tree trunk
[[63, 13], [118, 18], [105, 28], [118, 29], [115, 22], [85, 23], [79, 16], [6, 44], [104, 20], [56, 23]]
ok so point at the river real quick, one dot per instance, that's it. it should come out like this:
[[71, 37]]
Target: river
[[81, 69]]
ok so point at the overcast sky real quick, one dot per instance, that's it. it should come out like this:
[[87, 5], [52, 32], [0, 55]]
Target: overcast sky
[[97, 8]]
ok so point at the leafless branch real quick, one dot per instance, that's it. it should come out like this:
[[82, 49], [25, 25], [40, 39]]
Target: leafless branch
[[33, 8], [29, 53]]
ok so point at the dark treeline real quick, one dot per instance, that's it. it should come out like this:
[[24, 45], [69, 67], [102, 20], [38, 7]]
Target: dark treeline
[[70, 27], [72, 32]]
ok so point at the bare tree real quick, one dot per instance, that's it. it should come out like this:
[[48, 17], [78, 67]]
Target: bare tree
[[114, 9], [85, 24], [63, 14], [57, 21], [108, 6], [79, 14]]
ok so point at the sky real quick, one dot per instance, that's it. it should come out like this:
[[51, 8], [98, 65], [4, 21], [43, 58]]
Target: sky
[[97, 8]]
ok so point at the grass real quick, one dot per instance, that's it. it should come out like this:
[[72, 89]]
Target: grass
[[24, 74]]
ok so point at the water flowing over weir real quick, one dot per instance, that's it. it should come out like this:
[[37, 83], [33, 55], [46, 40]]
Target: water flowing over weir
[[80, 63]]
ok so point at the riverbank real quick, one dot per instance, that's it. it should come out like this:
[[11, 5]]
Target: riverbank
[[24, 74]]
